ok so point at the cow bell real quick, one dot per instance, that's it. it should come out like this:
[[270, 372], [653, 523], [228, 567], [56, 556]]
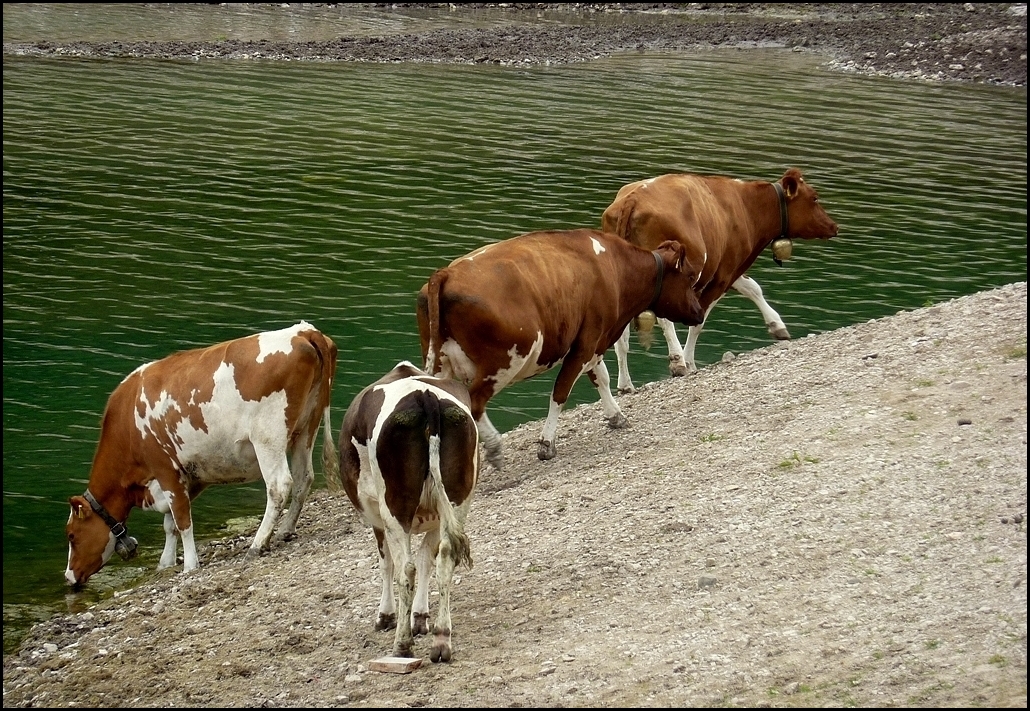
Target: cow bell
[[782, 249], [645, 329]]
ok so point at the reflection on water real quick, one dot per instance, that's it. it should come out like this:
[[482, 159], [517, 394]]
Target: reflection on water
[[155, 206]]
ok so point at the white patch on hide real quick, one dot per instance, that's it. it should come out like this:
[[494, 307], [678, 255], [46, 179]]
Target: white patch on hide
[[520, 367], [279, 341]]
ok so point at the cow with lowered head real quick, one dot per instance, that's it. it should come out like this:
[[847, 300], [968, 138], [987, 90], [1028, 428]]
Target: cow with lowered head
[[238, 411], [409, 461], [555, 299], [723, 224]]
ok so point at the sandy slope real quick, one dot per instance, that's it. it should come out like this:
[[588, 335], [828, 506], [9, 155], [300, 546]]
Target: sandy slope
[[832, 521]]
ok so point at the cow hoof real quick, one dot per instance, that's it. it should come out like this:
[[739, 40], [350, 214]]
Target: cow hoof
[[252, 555], [546, 450], [677, 369], [420, 623], [627, 391], [403, 649], [441, 651], [496, 461], [386, 622], [618, 421], [779, 332]]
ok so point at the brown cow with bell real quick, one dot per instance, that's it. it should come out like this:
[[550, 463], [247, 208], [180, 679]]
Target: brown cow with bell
[[723, 224]]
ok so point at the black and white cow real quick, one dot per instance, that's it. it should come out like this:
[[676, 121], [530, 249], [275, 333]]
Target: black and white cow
[[409, 461]]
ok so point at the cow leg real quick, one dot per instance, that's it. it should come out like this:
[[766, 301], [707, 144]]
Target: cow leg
[[692, 335], [303, 475], [278, 483], [599, 377], [424, 567], [171, 543], [491, 440], [175, 501], [677, 368], [163, 504], [622, 357], [441, 650], [573, 366], [398, 547], [387, 617], [752, 290]]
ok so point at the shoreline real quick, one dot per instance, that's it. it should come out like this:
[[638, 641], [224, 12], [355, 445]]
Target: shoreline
[[974, 43]]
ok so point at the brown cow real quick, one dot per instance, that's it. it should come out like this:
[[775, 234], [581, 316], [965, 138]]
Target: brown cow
[[517, 308], [409, 460], [724, 224], [234, 412]]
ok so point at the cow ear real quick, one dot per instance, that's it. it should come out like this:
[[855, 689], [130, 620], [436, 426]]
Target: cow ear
[[678, 252], [80, 507], [790, 186]]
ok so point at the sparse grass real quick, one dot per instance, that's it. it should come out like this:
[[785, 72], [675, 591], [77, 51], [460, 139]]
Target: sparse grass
[[932, 643], [711, 437], [998, 660], [796, 460], [909, 415], [1015, 353], [924, 383]]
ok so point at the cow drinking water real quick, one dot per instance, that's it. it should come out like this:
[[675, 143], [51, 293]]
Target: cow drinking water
[[238, 411], [724, 224], [409, 461], [517, 308]]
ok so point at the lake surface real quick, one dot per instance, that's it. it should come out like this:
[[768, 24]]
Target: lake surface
[[152, 206]]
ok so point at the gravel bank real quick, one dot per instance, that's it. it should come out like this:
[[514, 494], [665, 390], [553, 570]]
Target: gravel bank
[[833, 521], [972, 42]]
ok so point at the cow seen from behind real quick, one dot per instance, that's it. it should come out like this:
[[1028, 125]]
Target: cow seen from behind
[[553, 299], [238, 411], [724, 224], [409, 462]]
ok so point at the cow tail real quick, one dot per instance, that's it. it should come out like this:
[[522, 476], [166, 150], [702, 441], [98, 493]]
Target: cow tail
[[328, 352], [452, 536], [436, 282]]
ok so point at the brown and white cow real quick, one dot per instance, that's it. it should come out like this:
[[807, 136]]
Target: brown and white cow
[[235, 412], [409, 460], [724, 224], [517, 308]]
